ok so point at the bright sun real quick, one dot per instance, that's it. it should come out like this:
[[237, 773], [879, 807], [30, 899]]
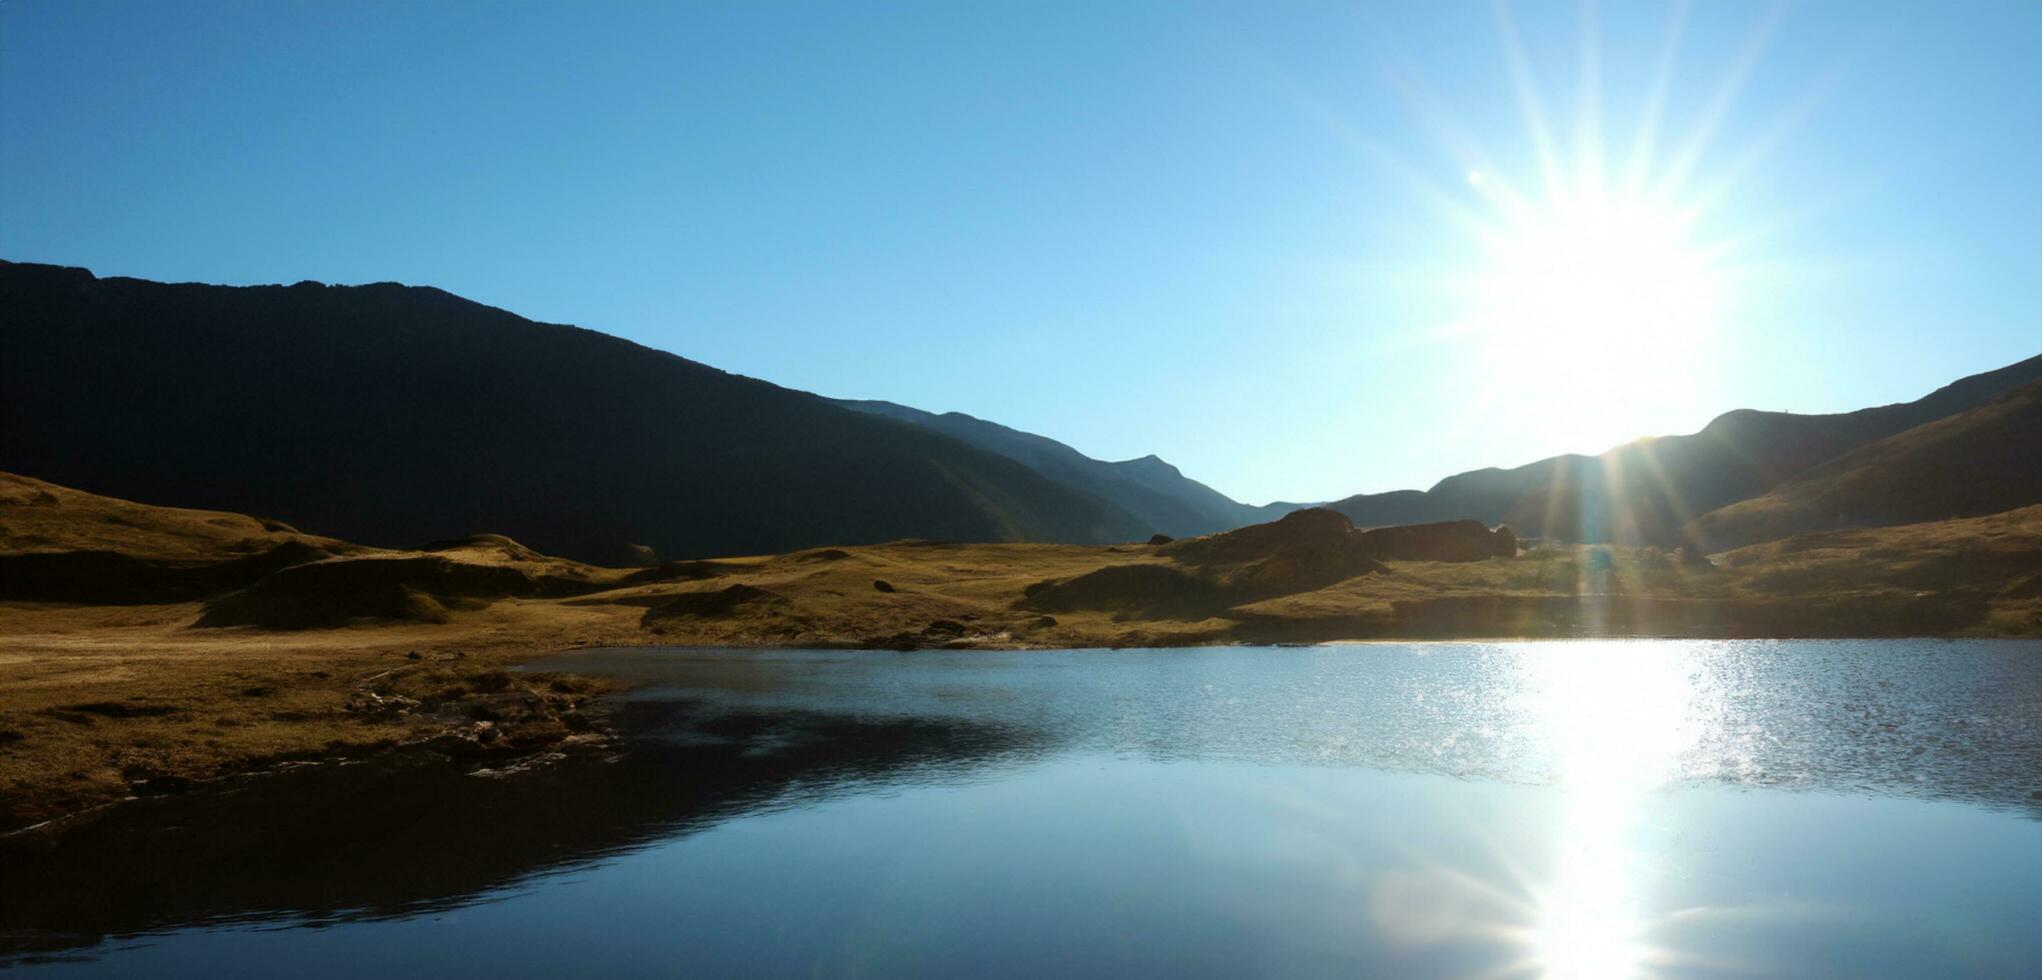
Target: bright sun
[[1603, 277], [1598, 295], [1594, 307], [1606, 284]]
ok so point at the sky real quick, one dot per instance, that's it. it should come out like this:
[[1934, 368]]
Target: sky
[[1299, 250]]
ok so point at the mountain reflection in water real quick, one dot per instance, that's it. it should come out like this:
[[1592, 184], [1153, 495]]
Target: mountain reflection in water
[[1593, 809]]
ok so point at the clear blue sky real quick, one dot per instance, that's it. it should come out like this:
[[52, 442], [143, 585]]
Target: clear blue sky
[[1228, 234]]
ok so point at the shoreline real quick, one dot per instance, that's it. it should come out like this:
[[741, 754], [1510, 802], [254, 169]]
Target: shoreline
[[370, 695]]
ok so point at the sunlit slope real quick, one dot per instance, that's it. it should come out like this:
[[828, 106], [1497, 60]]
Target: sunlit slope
[[1646, 491], [1982, 461], [393, 415]]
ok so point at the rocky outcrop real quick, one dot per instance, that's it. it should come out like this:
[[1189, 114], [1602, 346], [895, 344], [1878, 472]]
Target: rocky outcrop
[[1444, 541], [340, 591], [1132, 592], [720, 602]]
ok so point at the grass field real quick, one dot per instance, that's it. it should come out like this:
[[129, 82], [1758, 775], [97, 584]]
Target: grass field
[[104, 696]]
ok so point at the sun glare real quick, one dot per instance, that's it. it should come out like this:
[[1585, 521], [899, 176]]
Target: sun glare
[[1591, 300], [1599, 285], [1616, 284]]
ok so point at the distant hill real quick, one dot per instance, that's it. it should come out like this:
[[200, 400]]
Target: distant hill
[[1646, 491], [393, 415], [1152, 490], [1979, 462]]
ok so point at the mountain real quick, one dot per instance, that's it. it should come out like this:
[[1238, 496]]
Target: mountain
[[393, 415], [1152, 490], [1646, 491], [1979, 462]]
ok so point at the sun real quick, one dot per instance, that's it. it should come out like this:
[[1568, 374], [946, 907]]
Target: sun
[[1609, 282], [1600, 277], [1597, 306]]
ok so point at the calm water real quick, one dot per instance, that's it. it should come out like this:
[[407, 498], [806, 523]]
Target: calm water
[[1596, 809]]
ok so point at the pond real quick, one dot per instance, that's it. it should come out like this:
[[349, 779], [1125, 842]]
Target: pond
[[1580, 809]]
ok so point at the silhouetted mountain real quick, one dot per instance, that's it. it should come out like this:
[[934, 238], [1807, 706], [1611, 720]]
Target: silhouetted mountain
[[393, 415], [1983, 461], [1645, 491], [1149, 488]]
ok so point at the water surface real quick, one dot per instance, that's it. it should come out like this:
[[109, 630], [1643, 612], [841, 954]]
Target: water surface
[[1568, 809]]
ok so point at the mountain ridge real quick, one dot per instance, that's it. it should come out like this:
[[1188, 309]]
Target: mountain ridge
[[1648, 490], [397, 414], [1149, 487]]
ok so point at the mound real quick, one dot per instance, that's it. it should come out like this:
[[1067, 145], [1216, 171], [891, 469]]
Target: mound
[[1444, 541], [1132, 591], [112, 577], [1308, 549], [413, 589], [1311, 529], [37, 517], [681, 571], [721, 602], [495, 545]]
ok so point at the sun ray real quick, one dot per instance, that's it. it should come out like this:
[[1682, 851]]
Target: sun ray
[[1645, 143], [1588, 152], [1528, 100], [1726, 95]]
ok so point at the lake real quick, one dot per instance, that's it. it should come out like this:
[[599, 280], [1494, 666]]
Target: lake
[[1580, 809]]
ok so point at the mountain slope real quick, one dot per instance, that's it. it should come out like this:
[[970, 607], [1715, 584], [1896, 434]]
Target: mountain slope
[[1149, 488], [1644, 492], [392, 415], [1983, 461]]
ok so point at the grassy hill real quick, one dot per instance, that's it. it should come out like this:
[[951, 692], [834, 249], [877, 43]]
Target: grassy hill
[[1646, 492], [1983, 461], [221, 643], [392, 415]]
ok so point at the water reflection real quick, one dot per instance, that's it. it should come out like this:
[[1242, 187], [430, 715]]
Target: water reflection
[[1620, 719], [1615, 722], [1454, 810], [413, 836]]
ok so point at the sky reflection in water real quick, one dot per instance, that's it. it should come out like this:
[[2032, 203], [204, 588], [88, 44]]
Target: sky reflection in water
[[1592, 809]]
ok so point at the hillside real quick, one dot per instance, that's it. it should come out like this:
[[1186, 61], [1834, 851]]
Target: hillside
[[1644, 492], [1983, 461], [242, 643], [1149, 488], [392, 415]]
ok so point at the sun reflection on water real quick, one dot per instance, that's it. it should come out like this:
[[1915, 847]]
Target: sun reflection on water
[[1611, 723], [1618, 719]]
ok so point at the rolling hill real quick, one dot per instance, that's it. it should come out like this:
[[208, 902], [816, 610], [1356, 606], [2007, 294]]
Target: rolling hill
[[1983, 461], [1645, 492], [393, 415]]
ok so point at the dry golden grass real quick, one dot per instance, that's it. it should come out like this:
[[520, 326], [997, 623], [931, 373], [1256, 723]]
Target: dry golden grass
[[95, 699], [39, 516]]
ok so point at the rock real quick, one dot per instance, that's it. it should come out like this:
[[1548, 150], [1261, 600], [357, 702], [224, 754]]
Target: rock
[[161, 786], [1140, 591], [1044, 622], [881, 585], [641, 556], [720, 602], [944, 628], [1160, 539], [371, 703], [1442, 541]]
